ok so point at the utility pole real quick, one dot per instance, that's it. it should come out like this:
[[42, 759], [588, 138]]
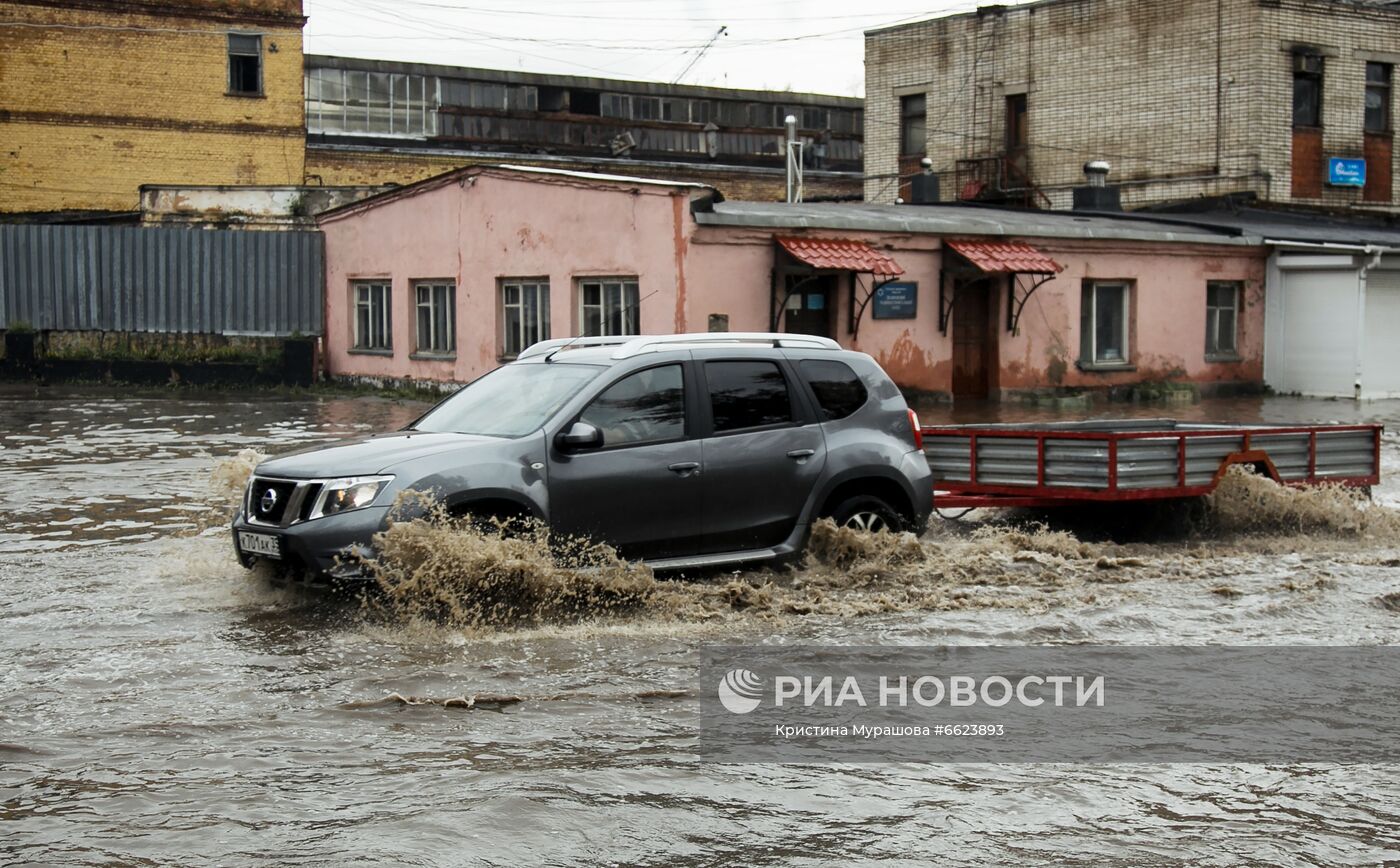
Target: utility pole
[[793, 146]]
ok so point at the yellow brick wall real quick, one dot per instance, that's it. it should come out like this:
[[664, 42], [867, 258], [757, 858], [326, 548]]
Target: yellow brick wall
[[334, 167], [88, 115]]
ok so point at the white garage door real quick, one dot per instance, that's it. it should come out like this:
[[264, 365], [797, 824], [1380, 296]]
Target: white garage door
[[1380, 377], [1316, 350]]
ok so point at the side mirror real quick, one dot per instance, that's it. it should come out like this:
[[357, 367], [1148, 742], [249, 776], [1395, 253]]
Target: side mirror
[[580, 436]]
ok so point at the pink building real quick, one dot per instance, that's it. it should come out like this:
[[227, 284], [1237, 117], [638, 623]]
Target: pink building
[[444, 279]]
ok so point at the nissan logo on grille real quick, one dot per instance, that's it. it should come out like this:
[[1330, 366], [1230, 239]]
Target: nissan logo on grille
[[268, 502]]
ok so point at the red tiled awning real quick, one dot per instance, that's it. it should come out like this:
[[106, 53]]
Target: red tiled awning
[[843, 254], [1005, 257]]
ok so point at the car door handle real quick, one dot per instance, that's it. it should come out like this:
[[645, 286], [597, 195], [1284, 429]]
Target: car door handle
[[799, 454], [684, 467]]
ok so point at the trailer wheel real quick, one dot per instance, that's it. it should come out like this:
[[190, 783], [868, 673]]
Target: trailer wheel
[[868, 513]]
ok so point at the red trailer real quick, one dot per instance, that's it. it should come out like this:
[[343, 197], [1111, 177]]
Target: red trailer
[[1058, 464]]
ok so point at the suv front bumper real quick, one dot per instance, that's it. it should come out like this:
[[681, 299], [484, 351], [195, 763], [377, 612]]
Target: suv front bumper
[[313, 546]]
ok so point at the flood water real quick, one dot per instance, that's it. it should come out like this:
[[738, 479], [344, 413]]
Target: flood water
[[159, 704]]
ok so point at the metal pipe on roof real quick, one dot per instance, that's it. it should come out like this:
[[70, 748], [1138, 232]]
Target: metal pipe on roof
[[793, 147], [1332, 245]]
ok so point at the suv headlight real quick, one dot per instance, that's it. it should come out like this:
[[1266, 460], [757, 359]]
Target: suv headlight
[[343, 495]]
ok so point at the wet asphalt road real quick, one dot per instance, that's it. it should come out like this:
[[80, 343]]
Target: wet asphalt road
[[159, 705]]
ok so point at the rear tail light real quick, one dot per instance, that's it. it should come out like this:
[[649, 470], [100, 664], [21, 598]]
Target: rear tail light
[[918, 430]]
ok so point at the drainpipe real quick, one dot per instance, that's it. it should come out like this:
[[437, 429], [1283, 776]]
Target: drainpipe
[[1375, 253]]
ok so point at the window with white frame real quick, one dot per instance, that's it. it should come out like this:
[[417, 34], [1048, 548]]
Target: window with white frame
[[435, 303], [1222, 318], [608, 306], [1104, 317], [524, 314], [373, 323]]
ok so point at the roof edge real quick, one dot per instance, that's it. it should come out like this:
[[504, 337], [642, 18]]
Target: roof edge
[[535, 173]]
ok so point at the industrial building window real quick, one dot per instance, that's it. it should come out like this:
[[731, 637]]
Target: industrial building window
[[374, 103], [1103, 323], [912, 124], [524, 314], [616, 105], [373, 321], [1222, 318], [1378, 97], [608, 306], [1307, 90], [245, 64], [437, 314]]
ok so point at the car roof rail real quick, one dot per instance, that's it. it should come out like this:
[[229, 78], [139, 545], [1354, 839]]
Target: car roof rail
[[652, 343], [540, 348]]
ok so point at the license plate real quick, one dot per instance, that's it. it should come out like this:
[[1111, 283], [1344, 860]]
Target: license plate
[[262, 544]]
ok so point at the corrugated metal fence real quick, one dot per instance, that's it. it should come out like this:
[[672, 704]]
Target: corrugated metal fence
[[118, 278]]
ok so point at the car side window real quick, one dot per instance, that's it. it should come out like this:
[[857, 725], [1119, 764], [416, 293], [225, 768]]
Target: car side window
[[747, 395], [645, 407], [838, 389]]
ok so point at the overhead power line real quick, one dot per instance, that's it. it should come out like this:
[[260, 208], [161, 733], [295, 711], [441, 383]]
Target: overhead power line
[[700, 54]]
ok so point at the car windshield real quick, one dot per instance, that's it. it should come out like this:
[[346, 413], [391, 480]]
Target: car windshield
[[511, 401]]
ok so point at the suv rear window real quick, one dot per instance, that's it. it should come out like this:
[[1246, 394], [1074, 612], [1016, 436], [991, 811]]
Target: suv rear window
[[838, 389], [747, 395]]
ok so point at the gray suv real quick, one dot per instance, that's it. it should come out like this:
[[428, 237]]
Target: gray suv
[[681, 450]]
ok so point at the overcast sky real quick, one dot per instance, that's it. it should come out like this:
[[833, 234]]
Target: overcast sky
[[810, 45]]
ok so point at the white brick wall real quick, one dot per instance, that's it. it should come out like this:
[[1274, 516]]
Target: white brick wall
[[1129, 81]]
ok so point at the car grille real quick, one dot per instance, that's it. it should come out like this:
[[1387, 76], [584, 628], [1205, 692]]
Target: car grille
[[275, 501]]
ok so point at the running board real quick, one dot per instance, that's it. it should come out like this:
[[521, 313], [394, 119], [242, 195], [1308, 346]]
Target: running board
[[714, 560]]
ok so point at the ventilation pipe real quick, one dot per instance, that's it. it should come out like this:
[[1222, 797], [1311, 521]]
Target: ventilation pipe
[[923, 187], [1097, 194]]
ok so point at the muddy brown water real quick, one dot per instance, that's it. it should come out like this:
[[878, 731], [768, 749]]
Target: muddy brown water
[[158, 704]]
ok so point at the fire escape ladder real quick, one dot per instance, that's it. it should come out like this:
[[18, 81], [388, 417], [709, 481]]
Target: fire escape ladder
[[1015, 179]]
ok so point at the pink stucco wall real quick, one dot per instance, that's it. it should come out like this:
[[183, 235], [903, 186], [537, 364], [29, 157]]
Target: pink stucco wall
[[480, 228], [730, 273], [1167, 323]]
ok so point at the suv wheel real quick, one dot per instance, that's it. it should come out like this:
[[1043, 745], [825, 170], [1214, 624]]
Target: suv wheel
[[868, 513]]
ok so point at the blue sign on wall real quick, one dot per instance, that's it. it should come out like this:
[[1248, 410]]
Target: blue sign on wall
[[1346, 172], [896, 301]]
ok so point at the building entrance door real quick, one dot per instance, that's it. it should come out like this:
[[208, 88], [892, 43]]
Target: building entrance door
[[973, 353], [808, 308]]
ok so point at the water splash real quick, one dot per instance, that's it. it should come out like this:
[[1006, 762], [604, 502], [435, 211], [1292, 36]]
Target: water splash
[[439, 567], [1249, 502], [454, 577], [230, 475]]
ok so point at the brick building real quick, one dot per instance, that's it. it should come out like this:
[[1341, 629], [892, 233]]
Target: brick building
[[100, 96], [1184, 98]]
